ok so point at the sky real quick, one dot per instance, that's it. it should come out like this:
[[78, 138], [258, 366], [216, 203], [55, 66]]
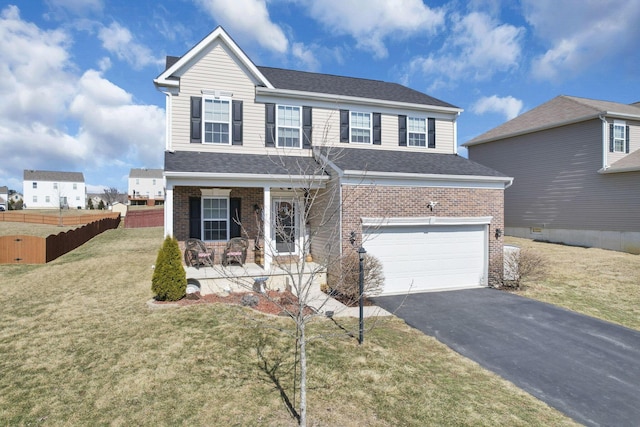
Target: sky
[[77, 75]]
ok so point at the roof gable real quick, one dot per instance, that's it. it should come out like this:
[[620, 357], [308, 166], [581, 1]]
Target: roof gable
[[175, 66], [560, 111]]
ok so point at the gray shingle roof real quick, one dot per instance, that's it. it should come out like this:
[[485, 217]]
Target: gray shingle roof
[[232, 163], [347, 86], [559, 110], [145, 173], [408, 162], [4, 189], [34, 175], [631, 161]]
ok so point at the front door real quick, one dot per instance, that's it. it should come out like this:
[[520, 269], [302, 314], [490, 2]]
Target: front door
[[285, 227]]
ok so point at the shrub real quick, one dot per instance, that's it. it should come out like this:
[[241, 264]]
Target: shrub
[[520, 267], [169, 281], [347, 286]]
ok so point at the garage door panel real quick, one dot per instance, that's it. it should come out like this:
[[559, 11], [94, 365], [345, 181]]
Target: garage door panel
[[420, 258]]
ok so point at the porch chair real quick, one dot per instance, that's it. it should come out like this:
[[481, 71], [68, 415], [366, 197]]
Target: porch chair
[[235, 251], [197, 254]]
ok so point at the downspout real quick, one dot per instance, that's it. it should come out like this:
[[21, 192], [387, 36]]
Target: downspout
[[167, 118], [604, 142]]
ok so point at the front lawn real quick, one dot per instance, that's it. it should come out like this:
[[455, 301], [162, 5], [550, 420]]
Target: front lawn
[[79, 346], [596, 282]]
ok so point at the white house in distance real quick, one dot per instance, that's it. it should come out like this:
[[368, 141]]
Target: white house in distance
[[52, 190], [4, 197], [146, 187]]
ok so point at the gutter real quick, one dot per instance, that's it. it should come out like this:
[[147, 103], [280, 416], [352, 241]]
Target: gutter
[[604, 142]]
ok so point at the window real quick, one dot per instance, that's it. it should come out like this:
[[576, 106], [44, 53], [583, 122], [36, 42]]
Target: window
[[137, 181], [216, 121], [35, 185], [35, 199], [47, 199], [75, 186], [55, 185], [361, 127], [289, 122], [77, 197], [154, 182], [619, 137], [417, 129], [215, 214]]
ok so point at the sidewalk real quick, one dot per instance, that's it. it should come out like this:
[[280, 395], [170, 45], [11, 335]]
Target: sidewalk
[[323, 303]]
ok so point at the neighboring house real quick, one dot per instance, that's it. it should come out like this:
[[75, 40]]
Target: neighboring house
[[576, 169], [4, 197], [54, 190], [249, 142], [146, 187], [15, 200]]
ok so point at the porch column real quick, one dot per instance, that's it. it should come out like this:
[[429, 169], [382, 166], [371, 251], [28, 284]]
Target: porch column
[[266, 214], [168, 211]]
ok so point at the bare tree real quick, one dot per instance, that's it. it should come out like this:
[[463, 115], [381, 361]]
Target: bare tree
[[311, 205], [111, 195]]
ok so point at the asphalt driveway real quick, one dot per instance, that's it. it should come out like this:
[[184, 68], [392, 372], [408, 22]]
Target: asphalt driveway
[[586, 368]]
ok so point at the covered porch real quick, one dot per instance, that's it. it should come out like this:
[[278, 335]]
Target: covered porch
[[215, 197]]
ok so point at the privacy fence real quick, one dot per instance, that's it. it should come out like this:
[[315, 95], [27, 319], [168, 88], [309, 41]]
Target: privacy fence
[[40, 250], [144, 218]]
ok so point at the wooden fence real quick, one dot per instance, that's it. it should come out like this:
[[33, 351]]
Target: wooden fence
[[40, 250], [144, 218], [52, 219]]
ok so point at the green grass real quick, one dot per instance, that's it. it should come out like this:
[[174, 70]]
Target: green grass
[[79, 346], [596, 282]]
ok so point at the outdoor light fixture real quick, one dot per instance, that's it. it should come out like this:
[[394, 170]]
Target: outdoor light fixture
[[498, 233], [352, 238]]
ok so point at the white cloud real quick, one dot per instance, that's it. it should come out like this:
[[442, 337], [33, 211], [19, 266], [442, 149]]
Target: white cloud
[[371, 22], [304, 55], [508, 106], [249, 18], [78, 7], [582, 33], [53, 119], [477, 48], [119, 41]]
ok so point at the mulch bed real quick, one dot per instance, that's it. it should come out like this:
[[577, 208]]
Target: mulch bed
[[273, 302]]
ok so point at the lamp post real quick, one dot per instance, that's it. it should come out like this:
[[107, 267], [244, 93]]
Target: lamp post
[[361, 253]]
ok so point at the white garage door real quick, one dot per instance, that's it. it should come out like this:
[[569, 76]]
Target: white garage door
[[430, 257]]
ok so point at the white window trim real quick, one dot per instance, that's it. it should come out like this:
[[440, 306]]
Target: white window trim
[[300, 135], [623, 125], [204, 122], [426, 132], [352, 127], [203, 219]]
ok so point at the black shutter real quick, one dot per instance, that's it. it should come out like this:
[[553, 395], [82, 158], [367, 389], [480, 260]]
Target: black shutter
[[307, 127], [195, 218], [236, 139], [270, 125], [402, 131], [611, 138], [235, 218], [344, 125], [431, 133], [377, 129], [626, 135], [196, 119]]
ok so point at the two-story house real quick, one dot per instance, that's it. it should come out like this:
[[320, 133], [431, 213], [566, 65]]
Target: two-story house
[[54, 190], [576, 169], [285, 157], [4, 198], [146, 187]]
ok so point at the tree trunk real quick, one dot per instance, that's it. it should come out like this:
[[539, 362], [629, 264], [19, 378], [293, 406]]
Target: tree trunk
[[303, 374]]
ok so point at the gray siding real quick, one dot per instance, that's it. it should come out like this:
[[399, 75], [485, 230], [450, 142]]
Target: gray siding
[[557, 184], [324, 223]]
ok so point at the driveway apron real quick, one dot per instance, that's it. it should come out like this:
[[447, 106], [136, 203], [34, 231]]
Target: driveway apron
[[584, 367]]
